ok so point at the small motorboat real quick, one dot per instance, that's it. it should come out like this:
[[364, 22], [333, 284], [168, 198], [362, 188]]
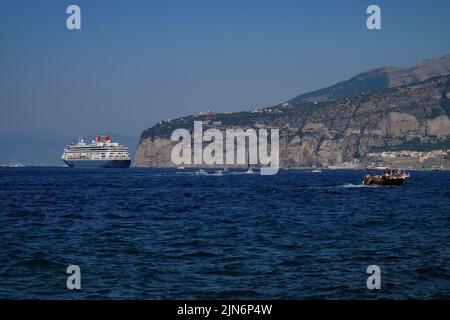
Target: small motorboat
[[387, 178], [201, 172], [218, 172], [316, 171]]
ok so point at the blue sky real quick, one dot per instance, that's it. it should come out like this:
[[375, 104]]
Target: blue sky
[[135, 63]]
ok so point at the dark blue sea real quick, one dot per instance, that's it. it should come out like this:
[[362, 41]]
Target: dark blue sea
[[168, 234]]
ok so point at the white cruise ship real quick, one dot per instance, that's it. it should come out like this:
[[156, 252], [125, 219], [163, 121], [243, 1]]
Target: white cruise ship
[[98, 154]]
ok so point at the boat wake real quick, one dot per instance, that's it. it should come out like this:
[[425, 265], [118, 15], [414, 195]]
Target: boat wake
[[242, 173], [351, 185]]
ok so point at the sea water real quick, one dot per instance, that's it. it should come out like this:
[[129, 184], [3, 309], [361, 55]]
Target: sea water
[[168, 234]]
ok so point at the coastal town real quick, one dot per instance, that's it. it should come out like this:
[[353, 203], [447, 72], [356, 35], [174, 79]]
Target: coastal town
[[434, 159], [405, 160]]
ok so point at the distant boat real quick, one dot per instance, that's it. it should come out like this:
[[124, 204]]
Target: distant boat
[[249, 168], [180, 168], [317, 171], [14, 165], [201, 172]]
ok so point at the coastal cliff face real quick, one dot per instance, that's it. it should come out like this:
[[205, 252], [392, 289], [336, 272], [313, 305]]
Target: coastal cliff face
[[334, 130], [329, 133]]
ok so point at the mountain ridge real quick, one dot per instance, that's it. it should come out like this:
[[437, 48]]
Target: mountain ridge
[[377, 79]]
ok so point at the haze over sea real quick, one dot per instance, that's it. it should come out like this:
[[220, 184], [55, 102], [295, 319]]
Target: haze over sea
[[154, 233]]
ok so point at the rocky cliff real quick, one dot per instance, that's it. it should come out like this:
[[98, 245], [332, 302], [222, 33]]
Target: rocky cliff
[[333, 131]]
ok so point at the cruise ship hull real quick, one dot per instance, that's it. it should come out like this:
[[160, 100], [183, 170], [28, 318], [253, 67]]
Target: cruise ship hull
[[98, 163]]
